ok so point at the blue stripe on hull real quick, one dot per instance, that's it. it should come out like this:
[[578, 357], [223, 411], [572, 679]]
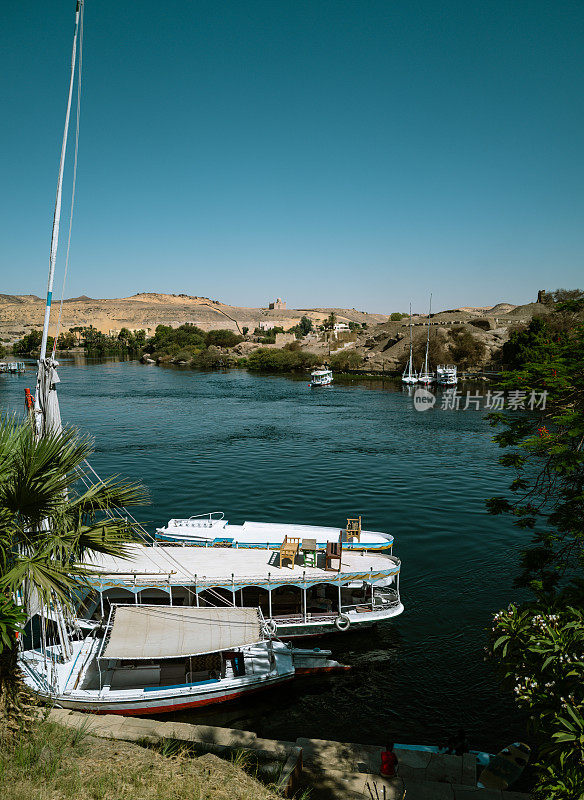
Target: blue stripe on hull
[[270, 545]]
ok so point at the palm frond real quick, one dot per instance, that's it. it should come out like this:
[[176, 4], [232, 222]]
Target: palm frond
[[48, 577], [41, 473], [109, 494], [48, 527]]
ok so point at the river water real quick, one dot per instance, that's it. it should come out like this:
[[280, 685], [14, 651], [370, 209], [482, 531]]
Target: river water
[[270, 449]]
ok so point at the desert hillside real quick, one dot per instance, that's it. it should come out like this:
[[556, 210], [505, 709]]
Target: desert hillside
[[381, 345], [19, 314], [386, 345]]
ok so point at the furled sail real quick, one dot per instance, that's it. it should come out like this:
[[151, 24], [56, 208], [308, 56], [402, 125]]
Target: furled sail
[[47, 412]]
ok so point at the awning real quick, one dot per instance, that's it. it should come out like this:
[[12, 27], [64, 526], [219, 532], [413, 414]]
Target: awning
[[140, 632]]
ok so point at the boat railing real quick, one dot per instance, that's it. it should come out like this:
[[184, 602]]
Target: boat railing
[[36, 676], [137, 579], [209, 514], [283, 619], [205, 520], [387, 597]]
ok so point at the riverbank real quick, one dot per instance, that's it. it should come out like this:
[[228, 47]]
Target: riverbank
[[325, 770], [50, 762]]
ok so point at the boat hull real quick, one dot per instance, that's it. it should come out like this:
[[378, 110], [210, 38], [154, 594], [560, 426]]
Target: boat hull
[[291, 629], [184, 539], [162, 705]]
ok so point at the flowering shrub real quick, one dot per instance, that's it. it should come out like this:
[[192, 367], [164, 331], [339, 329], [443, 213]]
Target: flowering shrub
[[540, 652]]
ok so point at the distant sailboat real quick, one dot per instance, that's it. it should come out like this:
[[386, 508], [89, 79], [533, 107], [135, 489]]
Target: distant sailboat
[[409, 375], [425, 375]]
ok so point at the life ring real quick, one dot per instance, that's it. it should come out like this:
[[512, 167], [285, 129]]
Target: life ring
[[342, 622], [271, 627]]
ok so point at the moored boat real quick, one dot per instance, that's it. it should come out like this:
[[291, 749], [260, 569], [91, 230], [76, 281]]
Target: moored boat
[[446, 375], [425, 376], [149, 659], [330, 593], [409, 376], [212, 530]]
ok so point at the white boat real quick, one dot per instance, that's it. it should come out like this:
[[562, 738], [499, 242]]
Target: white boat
[[296, 599], [321, 377], [12, 367], [425, 376], [446, 375], [151, 659], [409, 376], [212, 530]]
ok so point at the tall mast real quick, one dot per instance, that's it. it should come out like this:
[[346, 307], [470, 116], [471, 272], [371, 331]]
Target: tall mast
[[411, 343], [57, 214], [428, 339], [46, 404]]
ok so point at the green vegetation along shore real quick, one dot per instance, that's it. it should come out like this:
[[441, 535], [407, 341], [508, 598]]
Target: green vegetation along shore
[[538, 646]]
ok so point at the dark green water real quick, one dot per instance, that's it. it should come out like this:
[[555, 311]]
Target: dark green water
[[268, 448]]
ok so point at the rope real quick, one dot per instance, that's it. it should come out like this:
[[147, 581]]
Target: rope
[[160, 551], [79, 69]]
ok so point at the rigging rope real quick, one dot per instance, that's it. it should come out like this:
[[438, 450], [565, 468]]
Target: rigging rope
[[173, 562], [79, 70]]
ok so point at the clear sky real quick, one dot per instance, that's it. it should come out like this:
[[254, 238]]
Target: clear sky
[[356, 153]]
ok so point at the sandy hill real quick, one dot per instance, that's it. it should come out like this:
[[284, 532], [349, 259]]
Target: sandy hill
[[529, 310], [22, 313]]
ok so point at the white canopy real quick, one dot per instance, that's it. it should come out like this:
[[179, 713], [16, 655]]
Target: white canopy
[[143, 632]]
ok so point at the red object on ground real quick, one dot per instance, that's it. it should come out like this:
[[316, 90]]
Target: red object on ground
[[388, 764]]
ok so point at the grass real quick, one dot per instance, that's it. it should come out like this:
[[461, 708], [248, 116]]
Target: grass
[[50, 762]]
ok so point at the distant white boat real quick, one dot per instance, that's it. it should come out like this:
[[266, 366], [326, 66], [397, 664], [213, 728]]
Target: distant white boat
[[446, 375], [321, 377], [425, 375], [409, 375]]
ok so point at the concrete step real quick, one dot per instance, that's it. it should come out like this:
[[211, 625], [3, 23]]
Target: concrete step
[[342, 785], [415, 765]]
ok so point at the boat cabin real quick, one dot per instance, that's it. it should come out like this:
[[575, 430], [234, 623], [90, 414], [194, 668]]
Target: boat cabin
[[301, 592], [321, 377]]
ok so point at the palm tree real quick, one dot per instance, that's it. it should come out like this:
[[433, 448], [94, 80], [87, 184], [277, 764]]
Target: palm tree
[[51, 516]]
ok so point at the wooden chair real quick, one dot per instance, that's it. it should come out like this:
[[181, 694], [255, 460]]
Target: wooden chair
[[308, 548], [289, 549], [353, 529], [334, 550]]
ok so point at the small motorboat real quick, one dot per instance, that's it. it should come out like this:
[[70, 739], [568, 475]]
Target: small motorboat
[[321, 377]]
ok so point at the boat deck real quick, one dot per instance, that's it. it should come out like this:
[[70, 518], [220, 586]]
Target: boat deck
[[215, 566], [270, 533]]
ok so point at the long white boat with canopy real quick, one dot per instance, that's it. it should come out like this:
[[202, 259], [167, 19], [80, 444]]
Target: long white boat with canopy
[[297, 599], [149, 659]]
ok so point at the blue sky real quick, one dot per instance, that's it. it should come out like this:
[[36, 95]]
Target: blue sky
[[348, 153]]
